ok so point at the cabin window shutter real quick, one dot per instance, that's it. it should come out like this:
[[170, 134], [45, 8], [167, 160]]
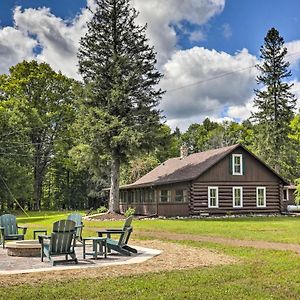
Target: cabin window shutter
[[230, 165], [244, 165]]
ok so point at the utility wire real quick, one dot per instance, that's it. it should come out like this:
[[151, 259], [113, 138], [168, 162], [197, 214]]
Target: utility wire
[[14, 198], [219, 76]]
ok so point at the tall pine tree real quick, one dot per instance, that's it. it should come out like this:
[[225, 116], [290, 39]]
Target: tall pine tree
[[274, 102], [120, 114]]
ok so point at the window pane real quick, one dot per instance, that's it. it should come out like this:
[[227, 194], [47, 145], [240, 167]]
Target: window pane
[[179, 195], [213, 197], [237, 200], [164, 195], [237, 164], [212, 193], [151, 196], [261, 197]]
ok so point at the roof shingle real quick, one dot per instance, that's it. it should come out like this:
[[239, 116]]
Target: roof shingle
[[182, 169]]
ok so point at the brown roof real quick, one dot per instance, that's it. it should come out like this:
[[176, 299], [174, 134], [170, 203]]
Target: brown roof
[[182, 169]]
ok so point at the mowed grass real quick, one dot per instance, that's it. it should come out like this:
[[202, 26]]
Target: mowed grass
[[274, 229], [259, 274]]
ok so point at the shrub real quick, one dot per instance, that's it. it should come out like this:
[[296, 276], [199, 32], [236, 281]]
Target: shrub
[[102, 209], [129, 212]]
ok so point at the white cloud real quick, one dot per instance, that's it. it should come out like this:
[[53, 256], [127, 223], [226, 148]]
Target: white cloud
[[296, 91], [227, 31], [224, 83], [197, 36], [15, 46], [293, 55], [203, 82], [241, 112], [58, 39], [161, 14]]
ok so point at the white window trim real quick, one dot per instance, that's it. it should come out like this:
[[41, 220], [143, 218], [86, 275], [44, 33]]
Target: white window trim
[[233, 193], [287, 195], [233, 165], [217, 196], [265, 196]]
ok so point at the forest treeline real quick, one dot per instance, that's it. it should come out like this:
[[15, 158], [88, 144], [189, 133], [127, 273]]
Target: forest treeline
[[43, 155], [63, 141]]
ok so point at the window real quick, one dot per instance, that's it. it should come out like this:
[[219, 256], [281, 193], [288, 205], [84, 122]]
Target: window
[[261, 197], [164, 196], [142, 199], [179, 197], [237, 196], [213, 197], [237, 164], [151, 196], [285, 195]]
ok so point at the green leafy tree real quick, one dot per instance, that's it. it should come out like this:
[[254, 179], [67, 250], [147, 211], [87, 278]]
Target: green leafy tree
[[119, 114], [43, 102], [274, 101]]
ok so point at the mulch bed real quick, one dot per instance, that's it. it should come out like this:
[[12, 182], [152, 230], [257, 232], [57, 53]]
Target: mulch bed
[[107, 217]]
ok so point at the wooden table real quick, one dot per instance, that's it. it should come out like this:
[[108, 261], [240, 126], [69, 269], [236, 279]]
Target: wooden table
[[99, 246], [35, 231]]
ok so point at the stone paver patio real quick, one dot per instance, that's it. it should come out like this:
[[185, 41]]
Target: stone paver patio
[[16, 265]]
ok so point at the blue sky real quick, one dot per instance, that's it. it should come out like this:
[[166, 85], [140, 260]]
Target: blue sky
[[247, 21], [195, 41]]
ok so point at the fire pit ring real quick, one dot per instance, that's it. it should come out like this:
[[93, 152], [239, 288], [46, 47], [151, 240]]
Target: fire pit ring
[[27, 248]]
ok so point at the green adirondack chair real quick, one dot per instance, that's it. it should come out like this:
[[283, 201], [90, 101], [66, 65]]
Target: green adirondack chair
[[77, 218], [9, 229], [61, 242], [109, 231], [121, 245]]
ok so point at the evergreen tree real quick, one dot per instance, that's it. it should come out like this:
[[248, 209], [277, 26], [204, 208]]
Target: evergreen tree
[[118, 67], [274, 102]]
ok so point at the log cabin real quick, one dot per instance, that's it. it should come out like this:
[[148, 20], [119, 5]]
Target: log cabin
[[228, 180]]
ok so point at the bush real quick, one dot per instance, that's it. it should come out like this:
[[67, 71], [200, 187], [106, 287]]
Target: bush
[[129, 212], [102, 209]]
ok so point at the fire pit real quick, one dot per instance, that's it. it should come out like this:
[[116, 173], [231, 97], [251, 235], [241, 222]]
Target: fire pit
[[27, 248]]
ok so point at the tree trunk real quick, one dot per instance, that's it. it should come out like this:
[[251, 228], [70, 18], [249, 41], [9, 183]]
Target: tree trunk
[[37, 189], [114, 186]]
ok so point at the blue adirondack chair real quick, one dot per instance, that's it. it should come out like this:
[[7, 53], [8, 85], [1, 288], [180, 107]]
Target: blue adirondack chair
[[77, 218], [9, 229], [61, 242]]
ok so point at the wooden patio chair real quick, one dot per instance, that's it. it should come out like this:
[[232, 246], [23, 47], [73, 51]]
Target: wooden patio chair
[[109, 231], [61, 242], [9, 229], [121, 245], [77, 218]]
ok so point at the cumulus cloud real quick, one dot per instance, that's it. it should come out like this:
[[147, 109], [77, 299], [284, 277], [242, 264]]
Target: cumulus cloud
[[161, 15], [15, 46], [201, 82], [293, 55], [58, 39]]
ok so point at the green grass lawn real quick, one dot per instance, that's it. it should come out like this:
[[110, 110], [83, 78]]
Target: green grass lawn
[[273, 229], [261, 274]]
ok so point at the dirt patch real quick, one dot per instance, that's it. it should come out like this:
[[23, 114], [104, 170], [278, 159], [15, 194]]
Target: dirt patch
[[173, 257], [219, 240]]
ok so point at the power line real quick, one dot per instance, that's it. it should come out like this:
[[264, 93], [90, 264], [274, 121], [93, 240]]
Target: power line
[[14, 198], [220, 76]]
